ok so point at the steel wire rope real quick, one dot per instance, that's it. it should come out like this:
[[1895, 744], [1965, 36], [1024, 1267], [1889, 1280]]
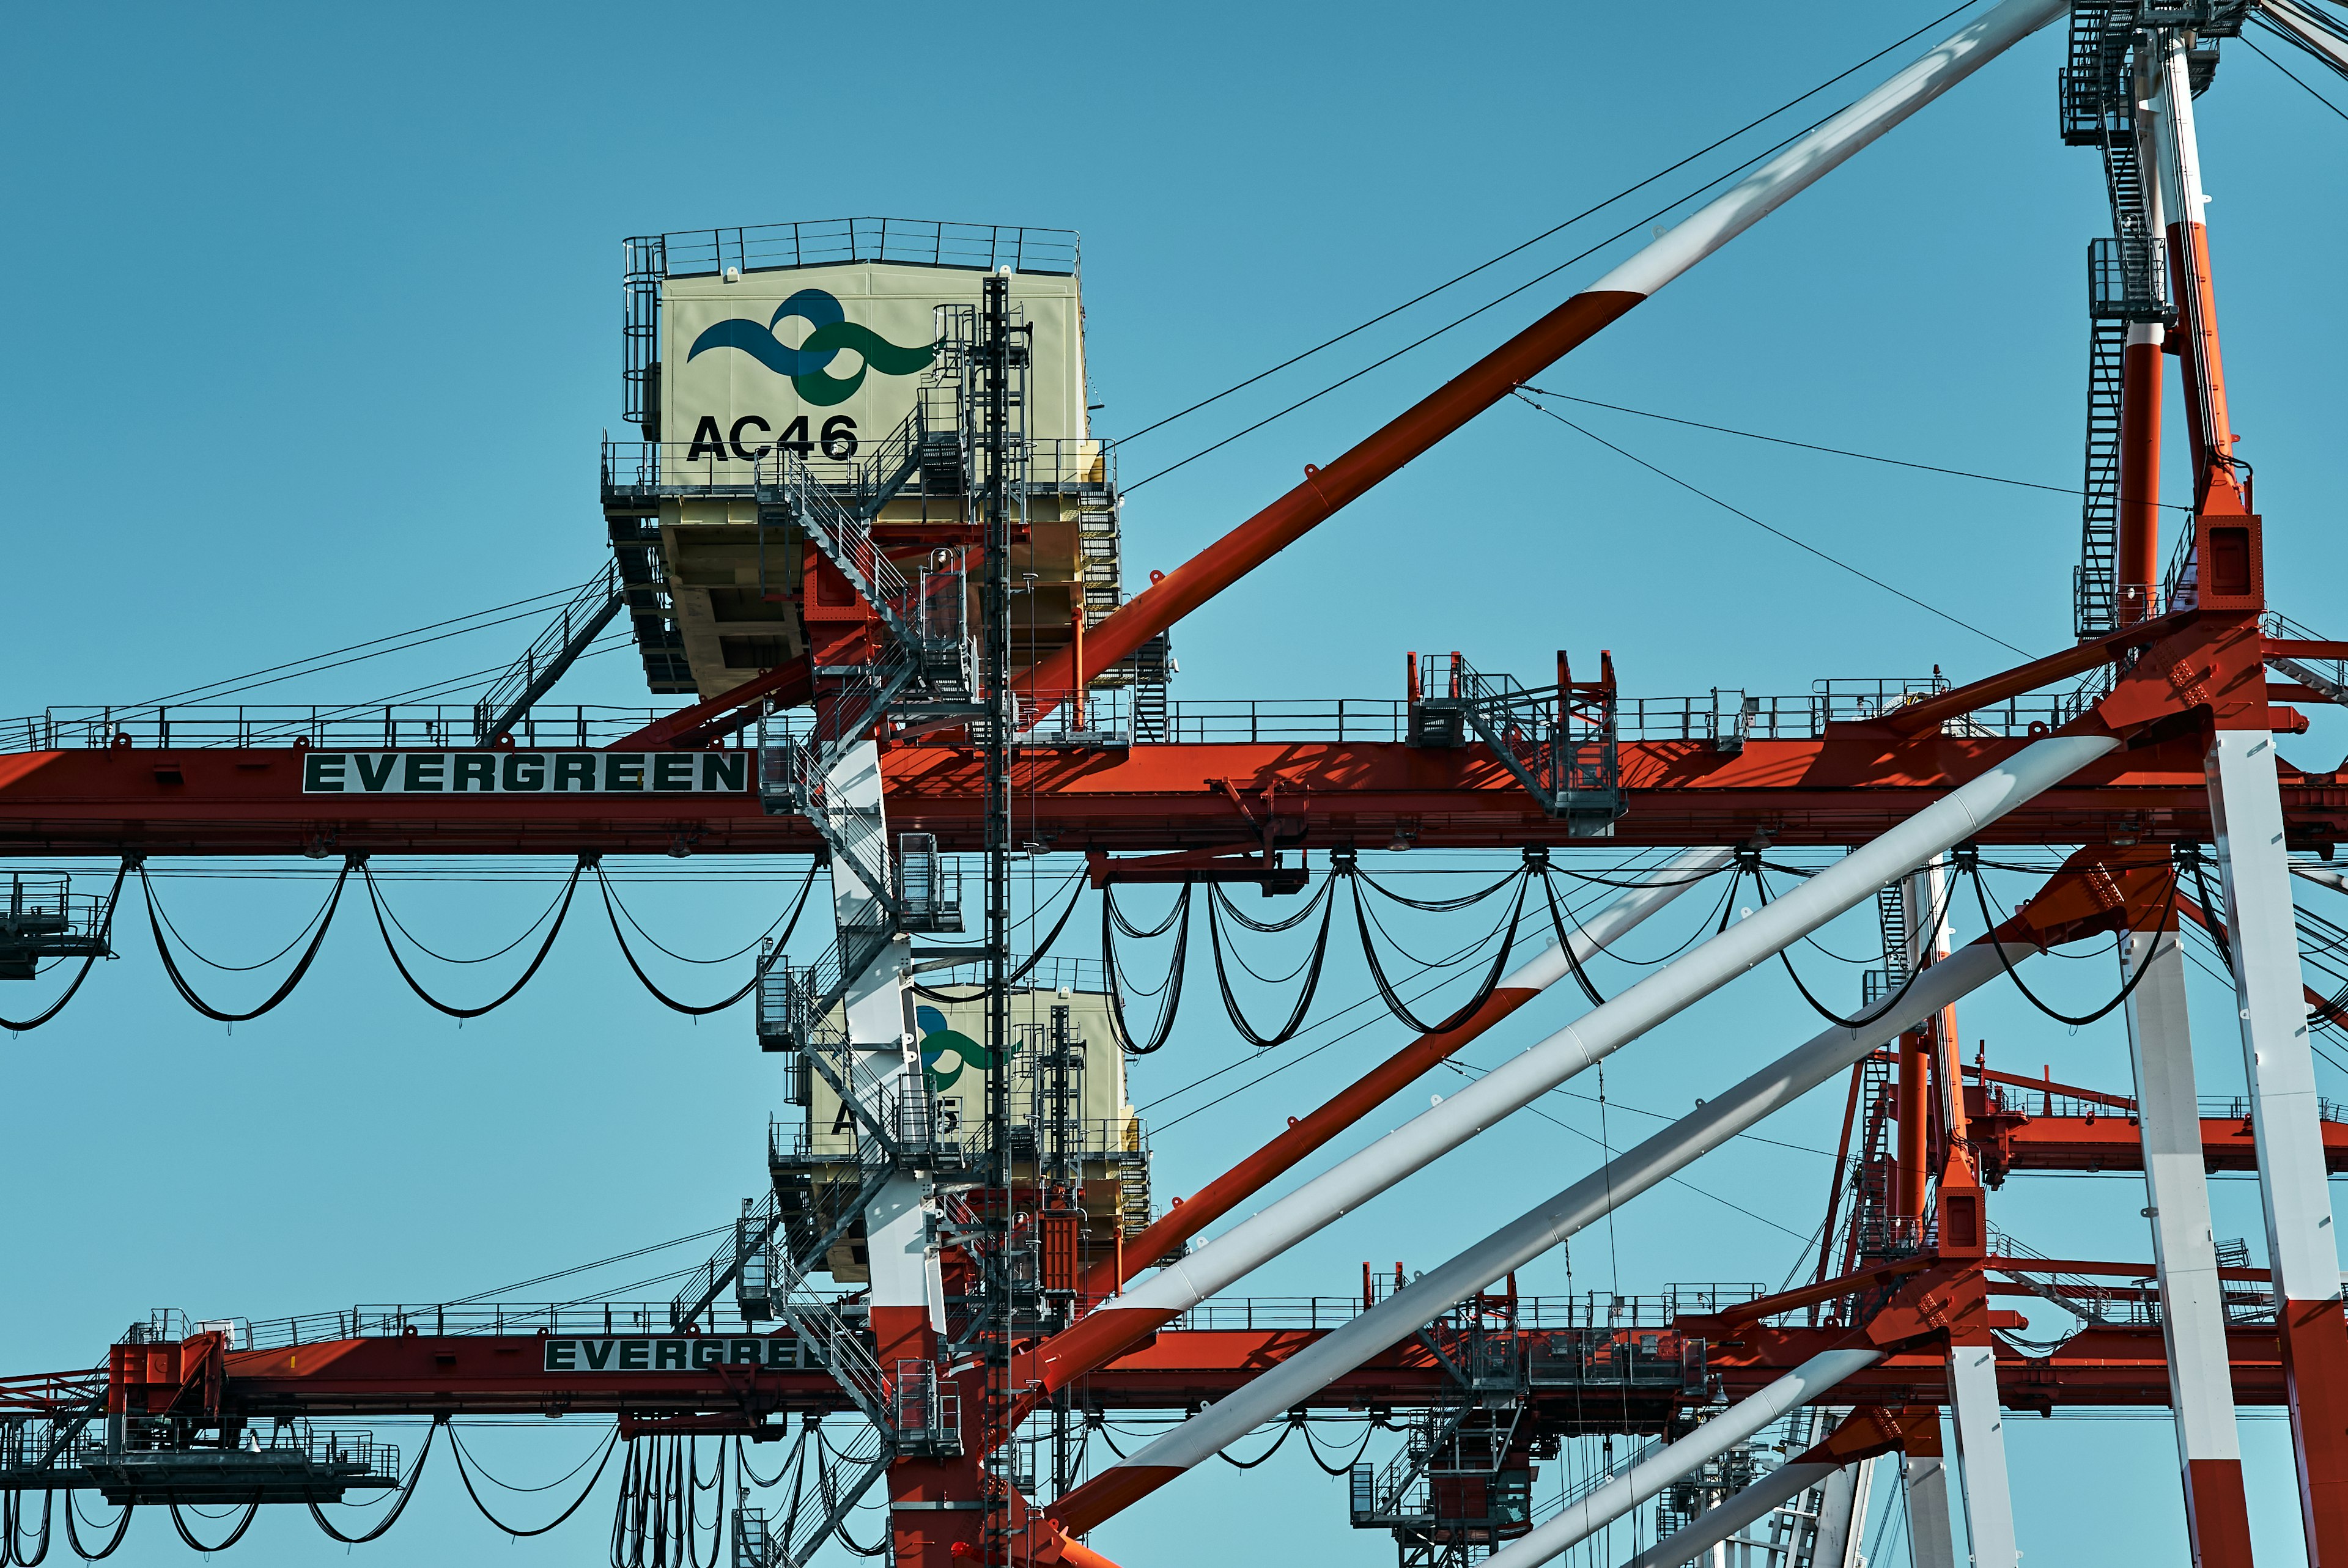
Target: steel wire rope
[[300, 967], [1907, 981], [1490, 305], [252, 1512], [1466, 1009], [2119, 939], [1173, 985], [1304, 996], [407, 1491], [661, 997], [1834, 451], [554, 930], [799, 900], [465, 1473], [1798, 543], [72, 1535], [2306, 87], [105, 942], [1618, 196], [353, 648], [12, 1520], [442, 686], [599, 1262], [1545, 233]]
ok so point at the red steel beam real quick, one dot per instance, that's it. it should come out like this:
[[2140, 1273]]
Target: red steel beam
[[1833, 792]]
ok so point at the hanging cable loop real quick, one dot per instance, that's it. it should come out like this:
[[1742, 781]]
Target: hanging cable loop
[[325, 920], [1312, 969], [562, 912], [1178, 919], [252, 1512], [1980, 894], [72, 1535], [690, 1009], [406, 1493], [1491, 980], [105, 943]]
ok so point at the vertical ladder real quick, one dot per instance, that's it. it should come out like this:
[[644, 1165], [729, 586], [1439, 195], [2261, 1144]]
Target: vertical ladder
[[2095, 597]]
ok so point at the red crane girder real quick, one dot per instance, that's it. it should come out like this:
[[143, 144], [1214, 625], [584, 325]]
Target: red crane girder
[[1839, 791]]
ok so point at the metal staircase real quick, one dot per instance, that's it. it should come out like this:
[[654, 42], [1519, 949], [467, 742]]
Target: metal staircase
[[566, 636], [1559, 740], [2126, 274]]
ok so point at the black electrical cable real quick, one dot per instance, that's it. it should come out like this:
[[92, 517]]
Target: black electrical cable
[[72, 1535], [300, 933], [1906, 984], [636, 926], [1253, 924], [1798, 543], [1369, 1432], [384, 906], [1277, 1444], [1041, 948], [831, 1505], [1572, 958], [407, 1491], [1172, 987], [1466, 1009], [104, 943], [252, 1512], [2126, 990], [300, 967], [562, 912], [1433, 906], [662, 996], [2219, 937], [11, 1545], [550, 1486], [457, 1447], [1224, 908], [1287, 1030]]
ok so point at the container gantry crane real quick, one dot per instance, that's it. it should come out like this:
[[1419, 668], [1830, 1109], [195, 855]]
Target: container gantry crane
[[894, 720]]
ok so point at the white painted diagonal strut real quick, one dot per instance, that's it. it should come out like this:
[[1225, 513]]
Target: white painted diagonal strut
[[1948, 821], [1586, 1516], [1714, 1525], [1440, 1290]]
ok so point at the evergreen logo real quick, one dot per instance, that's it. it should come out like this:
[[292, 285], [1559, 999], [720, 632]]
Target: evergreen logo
[[806, 364]]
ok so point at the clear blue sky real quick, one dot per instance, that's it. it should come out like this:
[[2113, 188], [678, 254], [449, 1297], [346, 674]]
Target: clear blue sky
[[312, 328]]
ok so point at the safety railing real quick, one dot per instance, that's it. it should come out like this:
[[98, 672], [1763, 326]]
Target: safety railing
[[908, 241], [1598, 1310], [839, 459], [941, 1129], [372, 727]]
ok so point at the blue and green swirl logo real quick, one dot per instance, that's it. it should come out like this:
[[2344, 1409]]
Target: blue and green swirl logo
[[939, 1043], [806, 364]]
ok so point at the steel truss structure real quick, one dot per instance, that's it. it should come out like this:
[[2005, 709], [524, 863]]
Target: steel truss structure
[[1000, 1303]]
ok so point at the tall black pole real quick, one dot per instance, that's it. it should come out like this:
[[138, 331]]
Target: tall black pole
[[995, 424]]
